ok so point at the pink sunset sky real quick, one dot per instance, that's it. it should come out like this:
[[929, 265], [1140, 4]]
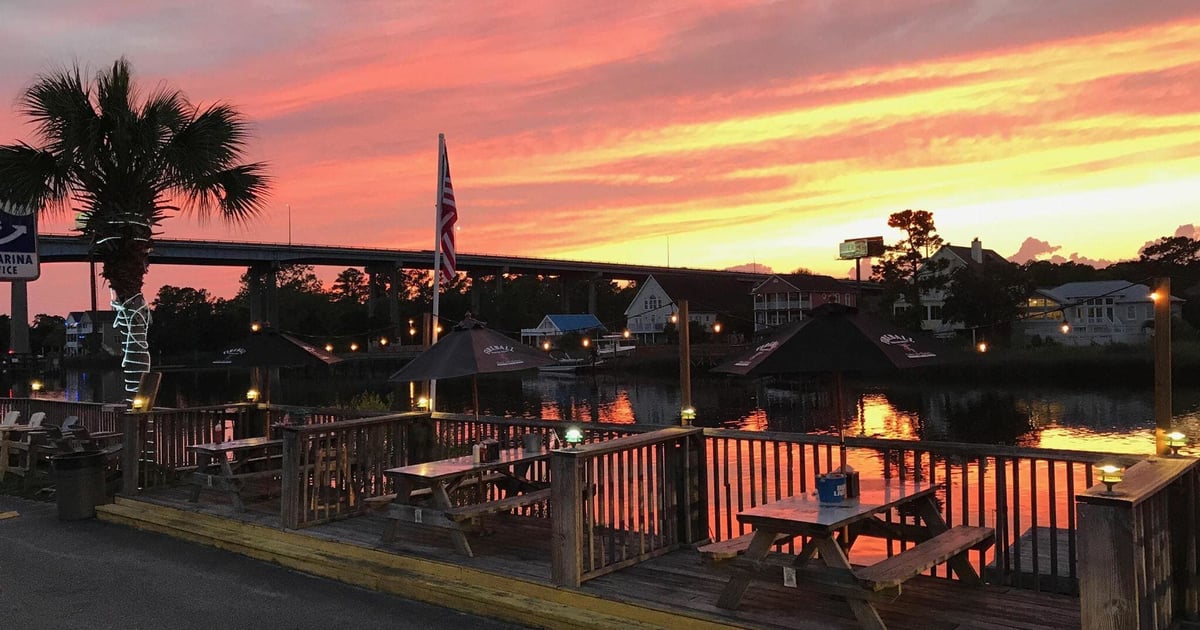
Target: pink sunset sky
[[736, 132]]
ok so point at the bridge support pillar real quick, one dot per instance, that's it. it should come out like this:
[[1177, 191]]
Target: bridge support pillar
[[393, 294], [476, 298], [565, 290], [591, 294], [264, 294]]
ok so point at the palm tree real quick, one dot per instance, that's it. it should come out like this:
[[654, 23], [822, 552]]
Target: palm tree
[[123, 163]]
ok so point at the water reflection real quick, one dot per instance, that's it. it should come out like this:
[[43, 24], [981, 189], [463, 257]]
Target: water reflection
[[1111, 420]]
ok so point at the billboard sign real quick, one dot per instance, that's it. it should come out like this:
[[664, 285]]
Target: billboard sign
[[18, 243], [870, 247]]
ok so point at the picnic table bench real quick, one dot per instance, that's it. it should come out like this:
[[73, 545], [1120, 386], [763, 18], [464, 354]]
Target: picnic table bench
[[441, 478], [227, 466], [820, 525]]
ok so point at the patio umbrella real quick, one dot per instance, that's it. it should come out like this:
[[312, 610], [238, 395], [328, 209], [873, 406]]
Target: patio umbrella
[[470, 349], [268, 348], [834, 339]]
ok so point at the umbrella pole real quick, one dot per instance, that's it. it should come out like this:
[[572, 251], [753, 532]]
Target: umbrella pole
[[475, 393], [837, 393]]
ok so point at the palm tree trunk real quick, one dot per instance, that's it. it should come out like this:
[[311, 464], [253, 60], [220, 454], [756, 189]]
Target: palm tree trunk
[[133, 321]]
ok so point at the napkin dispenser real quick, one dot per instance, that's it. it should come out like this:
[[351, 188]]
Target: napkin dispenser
[[489, 451]]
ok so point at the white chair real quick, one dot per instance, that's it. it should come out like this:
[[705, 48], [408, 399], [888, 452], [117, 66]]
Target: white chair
[[10, 419], [36, 418]]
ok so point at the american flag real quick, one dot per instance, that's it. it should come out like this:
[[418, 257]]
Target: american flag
[[448, 216]]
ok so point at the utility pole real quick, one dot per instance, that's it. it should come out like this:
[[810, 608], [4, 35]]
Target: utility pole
[[1162, 364], [687, 412]]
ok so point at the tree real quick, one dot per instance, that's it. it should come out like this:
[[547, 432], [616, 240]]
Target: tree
[[48, 333], [124, 163], [990, 298], [905, 270], [1173, 251], [351, 286]]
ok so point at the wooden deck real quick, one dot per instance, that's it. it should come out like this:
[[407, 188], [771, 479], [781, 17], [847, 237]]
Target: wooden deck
[[510, 576]]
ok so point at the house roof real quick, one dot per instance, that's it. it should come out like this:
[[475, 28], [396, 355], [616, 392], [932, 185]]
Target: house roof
[[808, 282], [963, 253], [575, 323], [1123, 292], [707, 295]]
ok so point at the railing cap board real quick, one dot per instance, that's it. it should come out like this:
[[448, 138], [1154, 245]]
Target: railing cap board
[[628, 442], [1140, 482], [349, 424], [549, 424], [941, 448]]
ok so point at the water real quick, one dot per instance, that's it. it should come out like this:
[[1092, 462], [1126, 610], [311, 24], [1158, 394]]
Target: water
[[1108, 419]]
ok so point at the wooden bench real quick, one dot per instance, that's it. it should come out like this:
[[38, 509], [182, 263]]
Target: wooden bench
[[475, 510], [728, 549], [911, 562]]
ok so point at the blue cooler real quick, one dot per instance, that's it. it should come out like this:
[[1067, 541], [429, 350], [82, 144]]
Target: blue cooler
[[831, 488]]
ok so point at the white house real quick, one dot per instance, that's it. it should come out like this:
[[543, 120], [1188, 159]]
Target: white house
[[955, 257], [84, 328], [559, 325], [1100, 312], [783, 298], [655, 303]]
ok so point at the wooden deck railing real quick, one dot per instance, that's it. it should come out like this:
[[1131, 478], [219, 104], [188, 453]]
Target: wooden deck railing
[[331, 468], [619, 502], [1138, 547], [1026, 494], [155, 442], [96, 417]]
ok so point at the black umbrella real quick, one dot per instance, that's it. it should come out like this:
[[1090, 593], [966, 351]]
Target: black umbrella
[[469, 349], [268, 348], [834, 339]]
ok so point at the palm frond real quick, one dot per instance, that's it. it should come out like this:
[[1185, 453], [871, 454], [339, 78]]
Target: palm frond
[[32, 178], [237, 194]]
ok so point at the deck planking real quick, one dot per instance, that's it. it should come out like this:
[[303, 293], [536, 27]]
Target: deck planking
[[679, 583]]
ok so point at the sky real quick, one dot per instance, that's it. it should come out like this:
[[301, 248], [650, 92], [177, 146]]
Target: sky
[[709, 133]]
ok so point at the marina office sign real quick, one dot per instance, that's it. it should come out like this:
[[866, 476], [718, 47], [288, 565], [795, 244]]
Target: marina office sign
[[18, 243]]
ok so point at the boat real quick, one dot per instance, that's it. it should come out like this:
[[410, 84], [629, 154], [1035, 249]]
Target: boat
[[570, 365], [614, 346]]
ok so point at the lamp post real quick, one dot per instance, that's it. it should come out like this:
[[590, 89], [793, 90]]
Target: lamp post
[[1162, 364]]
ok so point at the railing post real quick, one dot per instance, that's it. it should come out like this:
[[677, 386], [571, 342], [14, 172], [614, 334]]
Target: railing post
[[566, 523], [131, 452], [690, 474], [289, 482]]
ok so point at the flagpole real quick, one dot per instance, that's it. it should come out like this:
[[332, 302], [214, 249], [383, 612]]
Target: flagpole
[[437, 254]]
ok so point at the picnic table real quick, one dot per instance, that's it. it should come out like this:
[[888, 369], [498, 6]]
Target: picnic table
[[820, 525], [227, 466], [437, 480]]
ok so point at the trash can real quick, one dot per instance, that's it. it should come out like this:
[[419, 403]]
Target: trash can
[[78, 484]]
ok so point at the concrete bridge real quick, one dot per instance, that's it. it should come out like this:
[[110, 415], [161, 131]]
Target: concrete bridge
[[263, 260]]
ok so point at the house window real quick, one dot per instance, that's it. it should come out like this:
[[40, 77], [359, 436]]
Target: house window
[[934, 312], [1131, 313], [652, 303], [1100, 310]]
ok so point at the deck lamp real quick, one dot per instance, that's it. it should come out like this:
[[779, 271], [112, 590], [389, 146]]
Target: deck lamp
[[625, 334], [383, 341], [569, 434], [255, 327], [982, 346], [353, 347], [422, 403], [1175, 441], [687, 415], [35, 385], [138, 403], [328, 347], [1111, 475], [252, 395]]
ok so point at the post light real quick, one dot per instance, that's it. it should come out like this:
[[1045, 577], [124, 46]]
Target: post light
[[35, 385], [383, 341], [422, 403], [438, 328], [353, 346], [674, 318], [1111, 475], [255, 327], [573, 436], [252, 395], [1175, 441], [328, 347], [1154, 296], [412, 332], [982, 346], [138, 403], [546, 345], [717, 327], [586, 342], [625, 334], [687, 415]]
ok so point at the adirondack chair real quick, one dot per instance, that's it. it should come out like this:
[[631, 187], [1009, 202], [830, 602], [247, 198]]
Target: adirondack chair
[[36, 418], [10, 419]]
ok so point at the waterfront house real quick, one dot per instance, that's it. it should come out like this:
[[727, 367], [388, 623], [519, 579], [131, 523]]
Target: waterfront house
[[558, 325], [91, 332], [1100, 312], [783, 298], [945, 261], [709, 300]]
